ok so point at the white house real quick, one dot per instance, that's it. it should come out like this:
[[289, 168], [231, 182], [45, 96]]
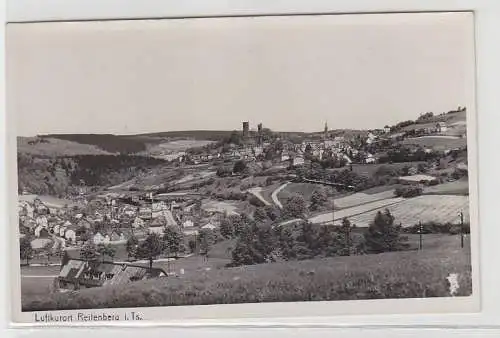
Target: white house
[[70, 235], [188, 224], [56, 228], [138, 223], [298, 160], [62, 230], [98, 239], [370, 159], [387, 129], [156, 230], [41, 221]]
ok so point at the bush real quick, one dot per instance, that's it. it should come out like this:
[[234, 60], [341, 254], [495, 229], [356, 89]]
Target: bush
[[408, 191]]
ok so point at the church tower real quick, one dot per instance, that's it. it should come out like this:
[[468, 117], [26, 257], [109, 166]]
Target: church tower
[[325, 135]]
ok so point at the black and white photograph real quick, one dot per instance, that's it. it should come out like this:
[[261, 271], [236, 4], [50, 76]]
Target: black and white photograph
[[306, 159]]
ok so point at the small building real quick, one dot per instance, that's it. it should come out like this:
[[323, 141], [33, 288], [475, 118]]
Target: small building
[[188, 224], [441, 127], [41, 232], [209, 226], [138, 223], [78, 273], [160, 230], [55, 229], [117, 236], [70, 235], [98, 238]]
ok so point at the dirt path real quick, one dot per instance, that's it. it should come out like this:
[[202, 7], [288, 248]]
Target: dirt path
[[275, 193]]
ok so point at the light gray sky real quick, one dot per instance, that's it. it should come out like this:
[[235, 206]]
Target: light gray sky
[[291, 73]]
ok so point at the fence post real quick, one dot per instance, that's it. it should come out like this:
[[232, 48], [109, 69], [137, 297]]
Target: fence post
[[420, 231], [461, 229]]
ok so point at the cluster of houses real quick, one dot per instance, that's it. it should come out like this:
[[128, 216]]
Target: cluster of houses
[[106, 220]]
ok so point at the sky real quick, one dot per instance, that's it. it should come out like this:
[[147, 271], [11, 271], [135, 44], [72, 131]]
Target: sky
[[290, 73]]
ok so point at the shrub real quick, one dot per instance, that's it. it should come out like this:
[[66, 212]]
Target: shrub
[[382, 235], [408, 191], [294, 207]]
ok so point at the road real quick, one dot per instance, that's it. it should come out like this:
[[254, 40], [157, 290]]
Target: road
[[275, 193]]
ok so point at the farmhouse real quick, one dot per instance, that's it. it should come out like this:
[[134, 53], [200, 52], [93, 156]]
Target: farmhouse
[[76, 274]]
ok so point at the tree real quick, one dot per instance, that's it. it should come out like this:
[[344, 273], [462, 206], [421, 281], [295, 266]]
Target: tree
[[89, 252], [254, 246], [260, 215], [345, 237], [151, 248], [173, 241], [382, 235], [273, 212], [226, 228], [295, 206], [131, 246], [308, 243], [106, 250], [239, 167], [287, 244], [26, 250], [65, 258], [319, 199], [206, 238]]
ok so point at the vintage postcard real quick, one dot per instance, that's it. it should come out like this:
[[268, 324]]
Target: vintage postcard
[[242, 167]]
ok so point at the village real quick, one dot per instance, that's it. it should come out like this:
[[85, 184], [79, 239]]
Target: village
[[252, 169]]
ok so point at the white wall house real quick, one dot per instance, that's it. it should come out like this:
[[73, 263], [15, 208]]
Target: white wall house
[[70, 235], [98, 239]]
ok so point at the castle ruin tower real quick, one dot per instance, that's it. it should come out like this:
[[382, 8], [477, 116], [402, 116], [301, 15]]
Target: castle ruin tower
[[246, 129], [259, 133]]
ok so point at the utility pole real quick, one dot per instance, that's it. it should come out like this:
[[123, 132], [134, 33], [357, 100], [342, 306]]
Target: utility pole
[[461, 229], [420, 231]]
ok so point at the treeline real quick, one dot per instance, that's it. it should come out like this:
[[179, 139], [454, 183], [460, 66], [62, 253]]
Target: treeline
[[120, 144], [62, 176], [261, 240], [427, 117]]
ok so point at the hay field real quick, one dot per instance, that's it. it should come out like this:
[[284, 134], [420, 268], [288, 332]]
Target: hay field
[[430, 208]]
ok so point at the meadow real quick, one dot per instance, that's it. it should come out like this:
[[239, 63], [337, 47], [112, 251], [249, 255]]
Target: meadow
[[408, 274], [431, 208]]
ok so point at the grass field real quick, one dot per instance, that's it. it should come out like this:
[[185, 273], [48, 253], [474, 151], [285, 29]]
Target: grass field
[[459, 187], [437, 142], [356, 210], [370, 169], [362, 198], [431, 208], [304, 189], [409, 274]]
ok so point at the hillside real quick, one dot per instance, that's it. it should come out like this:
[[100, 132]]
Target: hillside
[[52, 147], [107, 142], [407, 274], [60, 176]]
